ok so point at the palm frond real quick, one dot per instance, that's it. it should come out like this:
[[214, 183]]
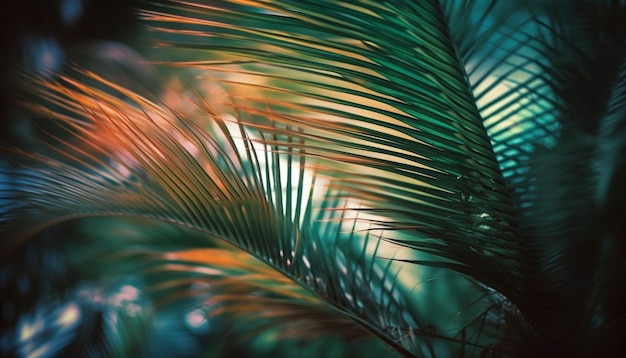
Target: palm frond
[[398, 137], [144, 161], [505, 60], [567, 241], [340, 143], [425, 173]]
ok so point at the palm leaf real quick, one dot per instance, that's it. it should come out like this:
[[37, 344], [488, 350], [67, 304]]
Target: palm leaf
[[427, 199], [354, 140], [398, 145], [136, 147]]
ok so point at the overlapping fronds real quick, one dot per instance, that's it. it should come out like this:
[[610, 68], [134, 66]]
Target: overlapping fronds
[[569, 232], [139, 159], [333, 72], [340, 143], [504, 54], [318, 96]]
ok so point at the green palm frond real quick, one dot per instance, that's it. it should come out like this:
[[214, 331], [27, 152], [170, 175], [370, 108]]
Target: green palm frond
[[330, 158], [399, 146], [230, 197], [505, 62]]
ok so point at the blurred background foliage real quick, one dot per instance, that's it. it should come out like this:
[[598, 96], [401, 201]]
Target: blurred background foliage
[[124, 286]]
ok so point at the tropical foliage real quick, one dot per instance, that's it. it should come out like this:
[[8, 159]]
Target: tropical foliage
[[422, 178]]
